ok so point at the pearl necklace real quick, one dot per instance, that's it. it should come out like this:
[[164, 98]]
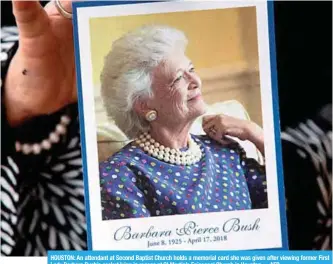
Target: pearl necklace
[[46, 144], [173, 156]]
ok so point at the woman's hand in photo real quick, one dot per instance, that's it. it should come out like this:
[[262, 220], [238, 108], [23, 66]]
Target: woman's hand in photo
[[41, 76], [221, 127]]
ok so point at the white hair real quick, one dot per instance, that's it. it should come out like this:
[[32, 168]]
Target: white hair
[[127, 72]]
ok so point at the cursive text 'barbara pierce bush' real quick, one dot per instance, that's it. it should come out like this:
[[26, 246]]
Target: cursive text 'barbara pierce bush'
[[188, 229]]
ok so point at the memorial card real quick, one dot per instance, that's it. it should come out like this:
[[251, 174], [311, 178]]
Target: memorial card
[[180, 125]]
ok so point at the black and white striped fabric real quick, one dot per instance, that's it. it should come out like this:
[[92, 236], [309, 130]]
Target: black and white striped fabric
[[9, 35], [42, 196], [307, 151]]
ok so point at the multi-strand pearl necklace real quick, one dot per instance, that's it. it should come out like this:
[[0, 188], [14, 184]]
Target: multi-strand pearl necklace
[[174, 156]]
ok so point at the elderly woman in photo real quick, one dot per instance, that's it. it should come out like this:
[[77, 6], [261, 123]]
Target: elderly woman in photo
[[151, 90]]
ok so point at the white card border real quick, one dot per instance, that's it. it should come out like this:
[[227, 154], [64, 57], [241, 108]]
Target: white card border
[[98, 228]]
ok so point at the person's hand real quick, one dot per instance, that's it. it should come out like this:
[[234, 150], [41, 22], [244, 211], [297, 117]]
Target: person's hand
[[221, 127], [41, 75]]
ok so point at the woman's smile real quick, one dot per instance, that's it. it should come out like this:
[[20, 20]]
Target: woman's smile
[[195, 97]]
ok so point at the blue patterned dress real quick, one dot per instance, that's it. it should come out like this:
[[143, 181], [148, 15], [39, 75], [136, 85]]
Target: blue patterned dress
[[135, 184]]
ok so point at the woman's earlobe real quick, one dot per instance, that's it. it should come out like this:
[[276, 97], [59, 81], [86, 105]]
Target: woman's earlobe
[[140, 107]]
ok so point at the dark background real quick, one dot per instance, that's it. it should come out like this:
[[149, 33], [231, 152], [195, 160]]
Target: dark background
[[303, 32]]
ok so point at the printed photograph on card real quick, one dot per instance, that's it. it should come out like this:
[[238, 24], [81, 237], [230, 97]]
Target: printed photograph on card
[[180, 125]]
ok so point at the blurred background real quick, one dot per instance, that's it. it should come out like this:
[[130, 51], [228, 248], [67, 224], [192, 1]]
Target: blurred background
[[303, 32]]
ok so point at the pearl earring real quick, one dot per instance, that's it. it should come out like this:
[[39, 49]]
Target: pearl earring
[[151, 115]]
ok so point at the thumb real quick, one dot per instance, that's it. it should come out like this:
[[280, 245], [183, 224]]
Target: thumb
[[235, 132], [31, 18]]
